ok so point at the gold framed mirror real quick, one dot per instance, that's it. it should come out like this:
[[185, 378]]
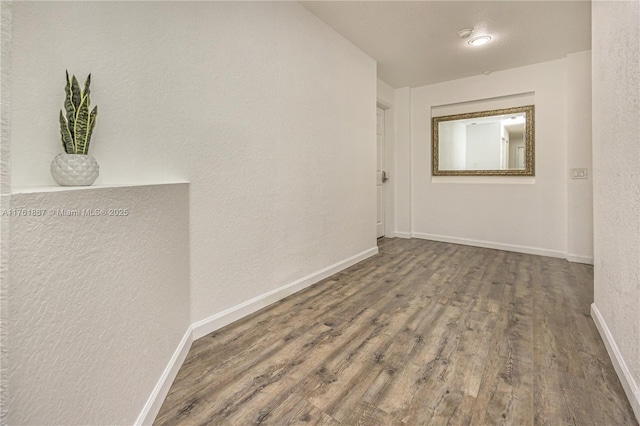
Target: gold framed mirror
[[499, 142]]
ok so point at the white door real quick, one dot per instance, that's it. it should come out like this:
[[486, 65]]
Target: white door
[[504, 154], [381, 176], [520, 157]]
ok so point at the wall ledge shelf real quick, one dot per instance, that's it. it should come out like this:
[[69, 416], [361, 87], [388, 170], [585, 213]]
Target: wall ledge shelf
[[56, 188]]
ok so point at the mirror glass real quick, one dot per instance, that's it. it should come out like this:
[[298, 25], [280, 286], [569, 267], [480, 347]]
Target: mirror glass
[[497, 142]]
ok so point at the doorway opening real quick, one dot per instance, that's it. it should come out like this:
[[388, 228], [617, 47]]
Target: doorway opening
[[381, 174]]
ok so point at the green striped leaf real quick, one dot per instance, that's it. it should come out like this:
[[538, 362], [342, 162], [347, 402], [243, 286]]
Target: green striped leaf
[[76, 96], [65, 135], [80, 126], [68, 103], [92, 123], [86, 92]]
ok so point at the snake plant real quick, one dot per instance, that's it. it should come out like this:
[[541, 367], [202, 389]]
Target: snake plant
[[77, 127]]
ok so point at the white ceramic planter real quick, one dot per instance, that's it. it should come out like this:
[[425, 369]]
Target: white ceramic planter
[[74, 169]]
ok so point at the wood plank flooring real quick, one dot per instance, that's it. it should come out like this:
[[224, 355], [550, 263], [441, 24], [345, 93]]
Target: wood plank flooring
[[425, 333]]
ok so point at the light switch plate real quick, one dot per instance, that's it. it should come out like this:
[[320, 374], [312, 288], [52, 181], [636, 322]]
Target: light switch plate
[[579, 173]]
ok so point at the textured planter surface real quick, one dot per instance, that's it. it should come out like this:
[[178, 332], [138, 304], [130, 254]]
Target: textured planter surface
[[74, 169]]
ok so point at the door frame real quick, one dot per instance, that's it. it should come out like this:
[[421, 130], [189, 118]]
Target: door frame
[[389, 167]]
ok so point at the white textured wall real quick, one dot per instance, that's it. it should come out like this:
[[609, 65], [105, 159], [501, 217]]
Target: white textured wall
[[402, 182], [283, 180], [616, 184], [579, 153], [97, 305], [269, 113], [529, 213]]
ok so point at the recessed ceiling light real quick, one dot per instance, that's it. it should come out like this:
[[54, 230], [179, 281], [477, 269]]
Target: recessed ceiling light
[[479, 41]]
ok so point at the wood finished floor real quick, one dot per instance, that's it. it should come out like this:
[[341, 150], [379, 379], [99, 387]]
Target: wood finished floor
[[425, 333]]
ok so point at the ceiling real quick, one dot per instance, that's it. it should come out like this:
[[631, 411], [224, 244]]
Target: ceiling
[[416, 42]]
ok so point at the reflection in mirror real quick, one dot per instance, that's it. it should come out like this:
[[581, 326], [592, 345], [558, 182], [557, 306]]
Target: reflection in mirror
[[498, 142]]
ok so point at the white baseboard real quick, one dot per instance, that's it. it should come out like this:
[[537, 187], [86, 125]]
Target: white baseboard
[[491, 245], [501, 246], [154, 403], [624, 374], [219, 320], [208, 325], [215, 322], [406, 235], [575, 258]]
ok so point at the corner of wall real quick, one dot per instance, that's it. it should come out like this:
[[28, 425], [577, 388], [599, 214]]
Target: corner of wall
[[385, 93], [579, 155], [402, 161], [208, 325], [622, 369], [154, 403]]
